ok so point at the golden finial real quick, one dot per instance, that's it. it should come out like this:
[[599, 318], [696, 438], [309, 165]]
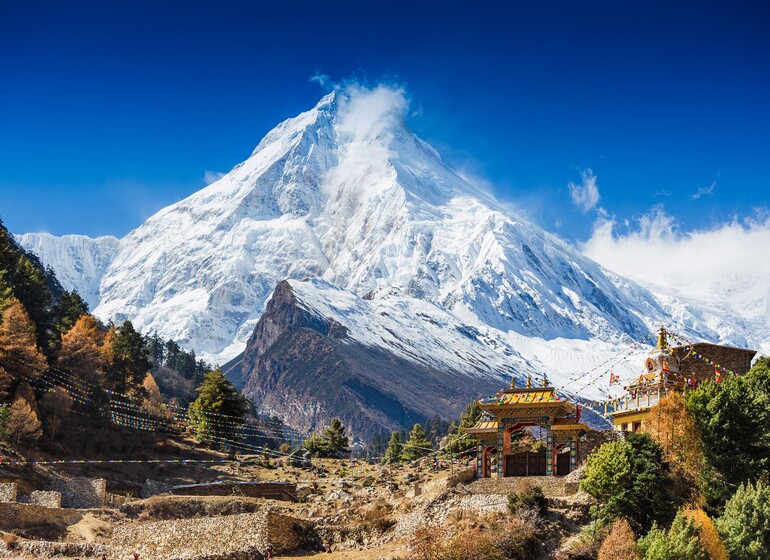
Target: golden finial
[[662, 344], [545, 381], [529, 382], [513, 382]]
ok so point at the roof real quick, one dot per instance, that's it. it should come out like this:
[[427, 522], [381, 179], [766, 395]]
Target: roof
[[482, 426], [523, 396]]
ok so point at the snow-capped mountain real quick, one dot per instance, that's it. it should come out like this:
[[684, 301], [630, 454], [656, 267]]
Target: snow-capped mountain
[[79, 261], [346, 194]]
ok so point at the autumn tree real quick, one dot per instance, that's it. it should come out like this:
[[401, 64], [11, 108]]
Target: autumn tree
[[675, 430], [55, 408], [620, 543], [23, 423], [83, 351], [710, 540], [20, 358]]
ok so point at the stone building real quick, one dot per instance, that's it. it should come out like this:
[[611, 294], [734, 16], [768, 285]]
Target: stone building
[[515, 409], [669, 369]]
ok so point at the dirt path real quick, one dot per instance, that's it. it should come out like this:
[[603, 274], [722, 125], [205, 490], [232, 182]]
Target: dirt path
[[392, 550]]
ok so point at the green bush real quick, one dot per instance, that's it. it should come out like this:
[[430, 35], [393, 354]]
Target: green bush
[[745, 524], [630, 479], [681, 542]]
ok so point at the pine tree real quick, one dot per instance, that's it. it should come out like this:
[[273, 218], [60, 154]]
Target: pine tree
[[395, 451], [67, 310], [459, 441], [130, 360], [20, 358], [418, 445], [335, 439], [745, 523], [219, 410]]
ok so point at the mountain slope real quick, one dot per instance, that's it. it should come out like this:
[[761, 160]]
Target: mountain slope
[[345, 194], [79, 261], [371, 208]]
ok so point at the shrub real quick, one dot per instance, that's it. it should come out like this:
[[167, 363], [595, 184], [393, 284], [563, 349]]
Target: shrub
[[745, 524], [531, 497], [620, 543], [631, 480], [681, 542]]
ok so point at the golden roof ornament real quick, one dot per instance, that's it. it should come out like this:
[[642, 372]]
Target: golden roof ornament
[[662, 342], [529, 382], [513, 382], [545, 381]]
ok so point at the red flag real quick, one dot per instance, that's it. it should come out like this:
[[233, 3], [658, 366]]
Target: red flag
[[718, 374]]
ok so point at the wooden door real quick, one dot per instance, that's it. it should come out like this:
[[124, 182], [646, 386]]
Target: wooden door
[[562, 463]]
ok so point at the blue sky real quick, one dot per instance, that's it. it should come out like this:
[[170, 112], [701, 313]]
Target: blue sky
[[111, 110]]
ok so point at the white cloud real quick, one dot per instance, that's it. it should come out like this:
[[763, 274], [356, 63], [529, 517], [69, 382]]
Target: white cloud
[[212, 176], [586, 195], [703, 191], [321, 79], [727, 263], [366, 112]]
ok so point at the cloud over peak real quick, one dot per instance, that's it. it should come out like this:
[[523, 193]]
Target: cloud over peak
[[586, 194]]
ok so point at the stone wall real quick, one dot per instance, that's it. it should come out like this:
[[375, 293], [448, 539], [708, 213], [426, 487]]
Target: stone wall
[[268, 490], [8, 491], [735, 359], [45, 498], [462, 476], [231, 537], [23, 516], [81, 492], [551, 485]]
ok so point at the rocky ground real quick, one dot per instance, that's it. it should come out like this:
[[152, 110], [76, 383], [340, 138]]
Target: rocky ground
[[363, 511]]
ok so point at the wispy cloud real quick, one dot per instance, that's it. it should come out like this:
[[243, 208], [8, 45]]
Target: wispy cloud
[[704, 191], [212, 176], [586, 194], [321, 79], [662, 193]]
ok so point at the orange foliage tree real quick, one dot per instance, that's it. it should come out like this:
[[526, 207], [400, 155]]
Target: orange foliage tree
[[84, 350], [20, 358], [709, 537], [620, 543], [671, 425]]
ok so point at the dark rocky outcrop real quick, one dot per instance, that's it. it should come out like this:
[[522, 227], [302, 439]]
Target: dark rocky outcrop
[[305, 369]]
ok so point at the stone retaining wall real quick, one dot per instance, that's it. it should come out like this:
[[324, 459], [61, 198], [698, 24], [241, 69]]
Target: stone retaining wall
[[81, 492], [8, 491], [231, 537], [268, 490], [47, 549], [24, 516], [45, 498], [551, 485]]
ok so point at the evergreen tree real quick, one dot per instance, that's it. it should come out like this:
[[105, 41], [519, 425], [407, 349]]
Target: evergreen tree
[[725, 414], [417, 445], [336, 440], [67, 310], [394, 452], [218, 412], [630, 479], [681, 542], [130, 360], [745, 523], [459, 441]]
